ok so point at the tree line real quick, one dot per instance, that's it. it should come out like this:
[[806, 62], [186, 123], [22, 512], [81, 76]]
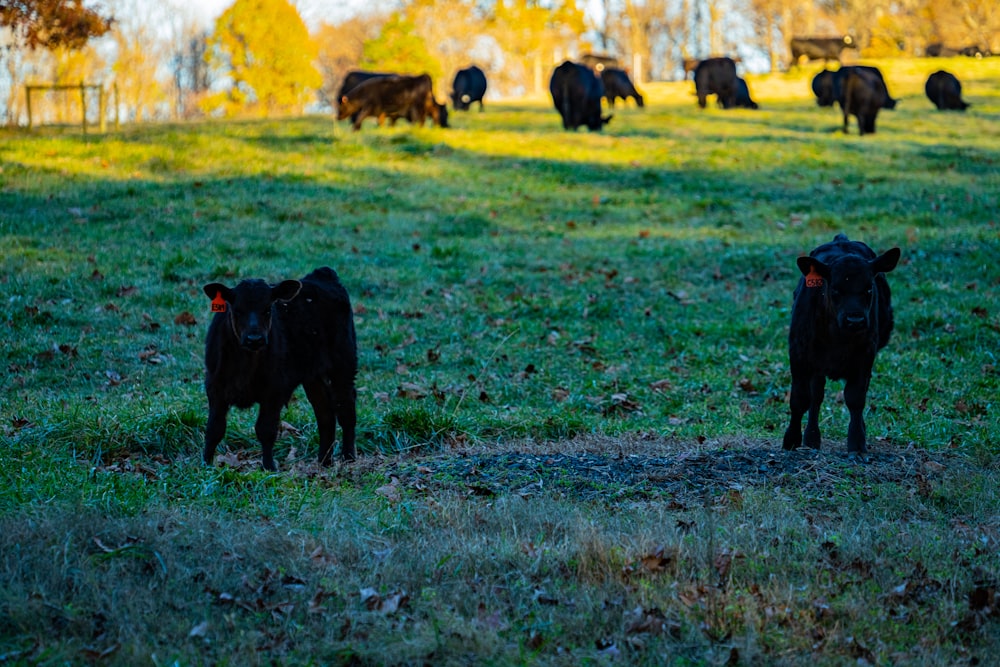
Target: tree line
[[260, 58]]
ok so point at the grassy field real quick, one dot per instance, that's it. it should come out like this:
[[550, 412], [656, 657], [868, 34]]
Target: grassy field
[[572, 390]]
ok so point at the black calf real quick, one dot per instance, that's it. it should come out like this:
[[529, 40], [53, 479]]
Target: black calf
[[841, 317], [265, 341]]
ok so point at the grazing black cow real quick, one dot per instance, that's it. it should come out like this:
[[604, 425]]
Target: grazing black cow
[[864, 95], [469, 86], [618, 84], [742, 98], [716, 76], [973, 51], [393, 97], [945, 91], [841, 317], [576, 93], [829, 85], [820, 48], [266, 340]]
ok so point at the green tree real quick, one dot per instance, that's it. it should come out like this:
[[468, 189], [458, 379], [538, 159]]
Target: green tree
[[399, 48], [269, 58]]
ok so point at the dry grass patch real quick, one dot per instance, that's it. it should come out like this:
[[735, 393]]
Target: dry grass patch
[[599, 550]]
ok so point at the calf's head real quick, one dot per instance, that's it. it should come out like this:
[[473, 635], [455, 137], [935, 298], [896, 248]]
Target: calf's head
[[248, 308], [848, 284]]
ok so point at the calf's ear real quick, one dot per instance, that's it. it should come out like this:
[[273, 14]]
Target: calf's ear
[[285, 290], [886, 262], [213, 290], [808, 265]]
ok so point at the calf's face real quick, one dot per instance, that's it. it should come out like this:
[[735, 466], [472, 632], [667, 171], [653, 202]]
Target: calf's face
[[849, 286], [248, 308]]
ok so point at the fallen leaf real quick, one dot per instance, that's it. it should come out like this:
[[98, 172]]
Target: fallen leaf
[[185, 318]]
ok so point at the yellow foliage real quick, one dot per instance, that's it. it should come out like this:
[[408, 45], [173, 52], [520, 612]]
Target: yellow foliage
[[270, 58]]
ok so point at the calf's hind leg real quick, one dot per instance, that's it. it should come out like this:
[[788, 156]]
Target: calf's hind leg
[[326, 418], [346, 400]]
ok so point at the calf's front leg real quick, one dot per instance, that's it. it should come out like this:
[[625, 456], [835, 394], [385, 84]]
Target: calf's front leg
[[855, 395], [267, 432], [817, 390], [798, 403], [215, 430]]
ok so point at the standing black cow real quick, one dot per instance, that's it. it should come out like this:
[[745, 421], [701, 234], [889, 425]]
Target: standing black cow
[[820, 48], [742, 98], [829, 85], [716, 76], [393, 97], [266, 340], [841, 317], [945, 91], [576, 93], [469, 86], [617, 84], [864, 95]]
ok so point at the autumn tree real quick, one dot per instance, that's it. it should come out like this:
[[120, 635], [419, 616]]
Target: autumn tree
[[341, 48], [52, 23], [191, 77], [450, 29], [961, 23], [534, 35], [265, 49], [58, 26], [140, 51]]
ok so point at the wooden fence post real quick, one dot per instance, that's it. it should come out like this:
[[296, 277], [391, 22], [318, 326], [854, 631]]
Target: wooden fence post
[[27, 94], [83, 105], [102, 122]]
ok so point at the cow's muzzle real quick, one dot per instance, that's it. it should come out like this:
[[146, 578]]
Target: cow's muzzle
[[253, 342], [854, 322]]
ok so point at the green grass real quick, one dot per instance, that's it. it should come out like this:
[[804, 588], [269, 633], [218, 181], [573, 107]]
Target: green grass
[[515, 286]]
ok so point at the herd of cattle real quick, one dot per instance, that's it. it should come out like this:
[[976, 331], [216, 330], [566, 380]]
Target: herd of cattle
[[578, 88]]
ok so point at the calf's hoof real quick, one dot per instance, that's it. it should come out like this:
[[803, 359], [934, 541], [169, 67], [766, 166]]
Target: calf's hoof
[[791, 440]]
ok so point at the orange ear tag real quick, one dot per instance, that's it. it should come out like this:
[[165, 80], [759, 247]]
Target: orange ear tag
[[813, 279], [218, 303]]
